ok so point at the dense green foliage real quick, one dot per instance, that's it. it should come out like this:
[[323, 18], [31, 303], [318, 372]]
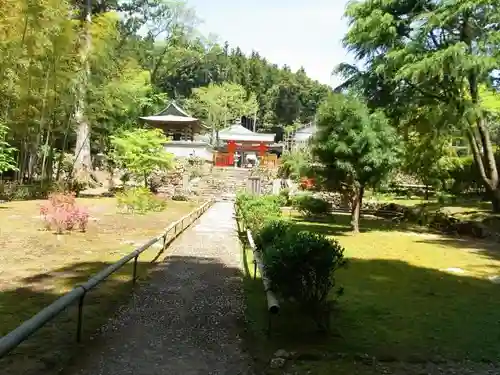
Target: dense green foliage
[[255, 211], [220, 105], [140, 152], [355, 148], [308, 205], [139, 200], [295, 165], [431, 67], [68, 85], [299, 264], [7, 161], [285, 194]]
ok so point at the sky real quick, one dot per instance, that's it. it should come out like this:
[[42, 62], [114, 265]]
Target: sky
[[297, 33]]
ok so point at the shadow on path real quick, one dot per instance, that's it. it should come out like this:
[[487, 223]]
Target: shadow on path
[[184, 319]]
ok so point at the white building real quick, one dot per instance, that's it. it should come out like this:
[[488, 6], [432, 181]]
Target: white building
[[300, 138], [182, 129]]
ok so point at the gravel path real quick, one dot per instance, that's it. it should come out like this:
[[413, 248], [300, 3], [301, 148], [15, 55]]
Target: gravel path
[[185, 319]]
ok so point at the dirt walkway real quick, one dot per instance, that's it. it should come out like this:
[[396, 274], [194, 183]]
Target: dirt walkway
[[185, 319]]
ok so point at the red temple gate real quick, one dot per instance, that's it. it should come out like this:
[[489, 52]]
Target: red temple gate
[[225, 159]]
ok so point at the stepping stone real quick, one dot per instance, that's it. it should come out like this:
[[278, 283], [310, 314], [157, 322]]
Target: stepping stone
[[454, 270]]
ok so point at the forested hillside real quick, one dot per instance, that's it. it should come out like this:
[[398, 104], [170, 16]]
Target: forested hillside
[[70, 78]]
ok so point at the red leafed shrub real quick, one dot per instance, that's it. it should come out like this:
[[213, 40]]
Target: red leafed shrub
[[307, 183], [61, 213]]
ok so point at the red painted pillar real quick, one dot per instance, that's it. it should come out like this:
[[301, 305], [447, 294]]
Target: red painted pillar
[[231, 149], [262, 149]]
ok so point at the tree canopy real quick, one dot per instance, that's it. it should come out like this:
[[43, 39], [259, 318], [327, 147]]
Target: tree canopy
[[220, 105], [70, 79], [140, 152], [432, 65], [355, 148]]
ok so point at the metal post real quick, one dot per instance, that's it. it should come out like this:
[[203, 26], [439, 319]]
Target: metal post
[[134, 275], [164, 241], [80, 319], [254, 269]]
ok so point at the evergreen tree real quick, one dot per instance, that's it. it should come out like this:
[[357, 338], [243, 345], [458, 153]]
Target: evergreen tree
[[355, 148], [436, 56]]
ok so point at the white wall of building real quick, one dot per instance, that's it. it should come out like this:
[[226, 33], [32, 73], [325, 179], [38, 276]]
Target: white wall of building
[[183, 149]]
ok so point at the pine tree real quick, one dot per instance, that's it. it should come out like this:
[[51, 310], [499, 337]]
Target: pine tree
[[355, 149]]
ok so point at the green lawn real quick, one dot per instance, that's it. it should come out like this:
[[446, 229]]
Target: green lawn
[[412, 298], [39, 266], [463, 209]]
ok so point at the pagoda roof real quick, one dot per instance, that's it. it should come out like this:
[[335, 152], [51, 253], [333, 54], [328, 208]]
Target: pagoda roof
[[237, 132], [172, 114]]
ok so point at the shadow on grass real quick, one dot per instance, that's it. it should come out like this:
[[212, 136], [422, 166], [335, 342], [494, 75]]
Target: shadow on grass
[[485, 248], [470, 203], [337, 224], [53, 348], [391, 310]]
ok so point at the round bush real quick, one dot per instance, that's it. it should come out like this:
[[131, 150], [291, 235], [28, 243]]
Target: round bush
[[301, 267], [272, 232], [310, 206], [254, 210]]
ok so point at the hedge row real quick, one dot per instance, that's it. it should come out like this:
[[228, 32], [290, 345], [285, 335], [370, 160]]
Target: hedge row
[[300, 265]]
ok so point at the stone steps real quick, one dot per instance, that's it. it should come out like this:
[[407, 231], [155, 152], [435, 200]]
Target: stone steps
[[223, 183]]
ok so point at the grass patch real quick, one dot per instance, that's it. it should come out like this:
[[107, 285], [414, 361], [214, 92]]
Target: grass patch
[[413, 299], [39, 266], [462, 209]]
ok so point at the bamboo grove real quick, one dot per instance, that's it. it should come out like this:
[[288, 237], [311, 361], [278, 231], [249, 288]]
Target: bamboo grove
[[74, 73]]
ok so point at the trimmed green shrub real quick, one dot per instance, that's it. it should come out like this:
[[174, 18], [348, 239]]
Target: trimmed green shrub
[[139, 200], [272, 232], [255, 209], [285, 194], [310, 206], [299, 264], [301, 267]]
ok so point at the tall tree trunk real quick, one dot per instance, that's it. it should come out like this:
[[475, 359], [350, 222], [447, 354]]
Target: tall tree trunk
[[41, 126], [49, 167], [482, 149], [24, 161], [45, 155], [83, 160], [357, 201], [63, 150], [33, 156], [479, 135]]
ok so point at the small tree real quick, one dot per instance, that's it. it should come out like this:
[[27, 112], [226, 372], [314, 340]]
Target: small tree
[[295, 165], [140, 152], [219, 105], [355, 149]]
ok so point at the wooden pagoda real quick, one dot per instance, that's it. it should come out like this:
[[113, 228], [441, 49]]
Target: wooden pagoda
[[175, 123]]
